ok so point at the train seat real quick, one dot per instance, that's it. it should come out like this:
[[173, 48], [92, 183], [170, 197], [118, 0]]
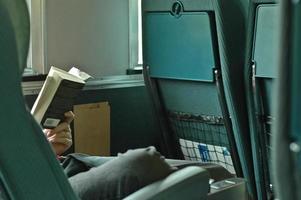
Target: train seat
[[182, 72]]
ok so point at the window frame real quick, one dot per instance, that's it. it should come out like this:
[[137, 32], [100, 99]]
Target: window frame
[[135, 34], [36, 61]]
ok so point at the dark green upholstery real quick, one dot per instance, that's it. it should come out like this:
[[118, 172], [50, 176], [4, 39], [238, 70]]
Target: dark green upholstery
[[287, 129], [28, 167], [232, 29]]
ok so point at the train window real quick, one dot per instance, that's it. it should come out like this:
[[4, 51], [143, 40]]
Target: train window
[[35, 59], [29, 61], [139, 33], [38, 58], [135, 33]]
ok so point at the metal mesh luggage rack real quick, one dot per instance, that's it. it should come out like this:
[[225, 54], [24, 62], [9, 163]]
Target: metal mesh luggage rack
[[195, 134]]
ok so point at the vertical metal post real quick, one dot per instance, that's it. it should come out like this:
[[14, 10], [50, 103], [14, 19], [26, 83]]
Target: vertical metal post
[[260, 120], [227, 122]]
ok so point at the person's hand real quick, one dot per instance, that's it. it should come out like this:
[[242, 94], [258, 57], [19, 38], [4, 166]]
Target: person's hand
[[60, 137]]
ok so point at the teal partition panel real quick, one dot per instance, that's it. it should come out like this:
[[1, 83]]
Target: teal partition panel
[[133, 124]]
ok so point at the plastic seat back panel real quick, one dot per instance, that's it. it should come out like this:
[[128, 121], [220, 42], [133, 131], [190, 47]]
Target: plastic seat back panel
[[265, 40], [174, 51]]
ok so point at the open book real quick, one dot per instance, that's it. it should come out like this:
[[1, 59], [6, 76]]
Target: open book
[[57, 96]]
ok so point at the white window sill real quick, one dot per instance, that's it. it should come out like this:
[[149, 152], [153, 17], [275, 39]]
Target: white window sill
[[109, 82]]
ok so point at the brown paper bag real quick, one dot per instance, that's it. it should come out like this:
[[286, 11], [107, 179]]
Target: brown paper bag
[[92, 129]]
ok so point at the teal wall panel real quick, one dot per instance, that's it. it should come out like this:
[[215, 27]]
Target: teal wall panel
[[133, 123]]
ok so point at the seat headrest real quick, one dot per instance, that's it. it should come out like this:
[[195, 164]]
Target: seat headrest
[[14, 18]]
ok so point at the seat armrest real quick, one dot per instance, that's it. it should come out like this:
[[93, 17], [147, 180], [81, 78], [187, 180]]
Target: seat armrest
[[191, 182], [233, 188], [216, 172]]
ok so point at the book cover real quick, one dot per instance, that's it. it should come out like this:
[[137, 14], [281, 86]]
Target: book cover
[[56, 97]]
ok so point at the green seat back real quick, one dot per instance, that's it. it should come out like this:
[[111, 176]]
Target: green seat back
[[181, 60], [28, 167], [261, 73]]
